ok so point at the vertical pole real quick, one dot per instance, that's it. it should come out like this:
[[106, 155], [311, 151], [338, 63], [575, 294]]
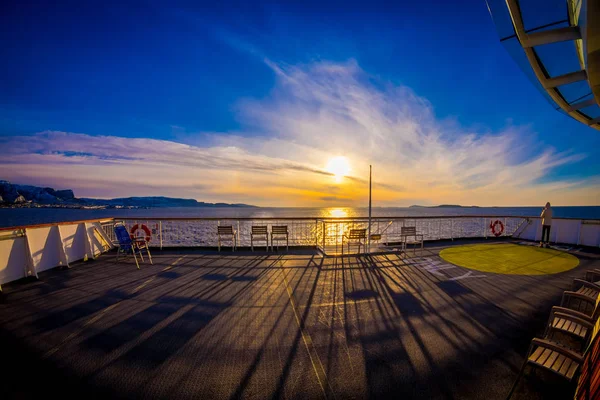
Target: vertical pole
[[369, 238], [323, 228]]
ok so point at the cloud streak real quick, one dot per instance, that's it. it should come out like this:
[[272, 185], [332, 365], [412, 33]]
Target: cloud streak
[[315, 112]]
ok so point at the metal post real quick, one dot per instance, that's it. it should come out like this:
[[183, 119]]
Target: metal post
[[324, 234], [337, 225], [160, 233], [484, 228], [369, 237]]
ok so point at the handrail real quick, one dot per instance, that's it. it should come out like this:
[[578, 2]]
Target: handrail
[[328, 219], [80, 221], [341, 219]]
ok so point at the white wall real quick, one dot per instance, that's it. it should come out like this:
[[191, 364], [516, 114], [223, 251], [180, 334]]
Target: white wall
[[13, 256], [567, 231], [46, 247]]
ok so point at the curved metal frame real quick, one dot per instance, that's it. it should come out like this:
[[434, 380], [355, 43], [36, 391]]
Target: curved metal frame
[[551, 84]]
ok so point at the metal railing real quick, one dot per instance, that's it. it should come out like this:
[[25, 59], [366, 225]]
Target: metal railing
[[325, 234], [108, 228], [386, 232]]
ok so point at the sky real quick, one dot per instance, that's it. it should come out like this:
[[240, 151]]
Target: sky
[[249, 102]]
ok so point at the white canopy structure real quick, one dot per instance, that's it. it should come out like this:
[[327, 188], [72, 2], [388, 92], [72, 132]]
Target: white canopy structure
[[557, 44]]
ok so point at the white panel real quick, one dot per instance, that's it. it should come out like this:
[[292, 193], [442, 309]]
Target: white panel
[[565, 231], [75, 241], [590, 235], [13, 257], [46, 247]]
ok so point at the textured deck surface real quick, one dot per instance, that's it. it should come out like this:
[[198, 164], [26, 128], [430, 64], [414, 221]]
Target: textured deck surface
[[257, 325]]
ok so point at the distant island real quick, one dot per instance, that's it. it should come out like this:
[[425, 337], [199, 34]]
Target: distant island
[[13, 195], [444, 206]]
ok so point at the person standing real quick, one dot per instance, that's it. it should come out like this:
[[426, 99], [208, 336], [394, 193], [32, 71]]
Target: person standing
[[546, 224]]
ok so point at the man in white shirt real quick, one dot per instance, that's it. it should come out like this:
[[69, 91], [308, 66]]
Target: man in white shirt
[[546, 224]]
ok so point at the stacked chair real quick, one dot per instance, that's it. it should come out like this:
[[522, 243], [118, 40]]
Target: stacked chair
[[571, 334]]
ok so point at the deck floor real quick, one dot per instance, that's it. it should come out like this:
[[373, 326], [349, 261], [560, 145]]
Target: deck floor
[[294, 325]]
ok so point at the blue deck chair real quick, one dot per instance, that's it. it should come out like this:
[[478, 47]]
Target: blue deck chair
[[128, 245]]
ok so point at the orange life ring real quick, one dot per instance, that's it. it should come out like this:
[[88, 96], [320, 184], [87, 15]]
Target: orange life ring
[[493, 227], [144, 228]]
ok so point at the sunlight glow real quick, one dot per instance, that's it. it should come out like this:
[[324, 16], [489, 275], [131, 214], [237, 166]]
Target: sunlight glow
[[339, 167], [338, 212]]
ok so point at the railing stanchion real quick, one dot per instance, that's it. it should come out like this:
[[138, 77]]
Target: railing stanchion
[[336, 237], [324, 234], [484, 228]]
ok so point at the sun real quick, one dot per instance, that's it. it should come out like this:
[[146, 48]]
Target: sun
[[339, 167]]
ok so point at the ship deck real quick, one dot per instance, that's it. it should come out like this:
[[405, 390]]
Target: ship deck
[[202, 324]]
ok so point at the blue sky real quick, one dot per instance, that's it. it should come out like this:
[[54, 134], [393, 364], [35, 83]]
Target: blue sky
[[216, 77]]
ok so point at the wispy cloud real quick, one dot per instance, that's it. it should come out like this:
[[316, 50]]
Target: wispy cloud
[[315, 112]]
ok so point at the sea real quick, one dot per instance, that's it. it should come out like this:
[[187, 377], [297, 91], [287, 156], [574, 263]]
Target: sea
[[10, 217]]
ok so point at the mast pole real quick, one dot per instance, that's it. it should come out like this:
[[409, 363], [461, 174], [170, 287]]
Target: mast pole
[[369, 238]]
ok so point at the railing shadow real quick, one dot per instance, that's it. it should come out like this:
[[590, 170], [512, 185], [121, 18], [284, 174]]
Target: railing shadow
[[276, 325]]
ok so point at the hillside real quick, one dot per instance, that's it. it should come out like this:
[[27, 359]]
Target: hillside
[[24, 195]]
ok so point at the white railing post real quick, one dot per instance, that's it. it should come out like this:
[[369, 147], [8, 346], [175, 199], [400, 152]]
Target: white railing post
[[324, 232], [484, 230], [337, 225]]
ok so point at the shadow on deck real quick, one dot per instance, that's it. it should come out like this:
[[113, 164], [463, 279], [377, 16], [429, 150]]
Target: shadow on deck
[[296, 325]]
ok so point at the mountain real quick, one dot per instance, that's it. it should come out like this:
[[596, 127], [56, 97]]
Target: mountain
[[11, 193], [26, 194], [444, 206], [156, 201]]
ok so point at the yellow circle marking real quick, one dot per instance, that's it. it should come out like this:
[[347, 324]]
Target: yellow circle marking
[[512, 259]]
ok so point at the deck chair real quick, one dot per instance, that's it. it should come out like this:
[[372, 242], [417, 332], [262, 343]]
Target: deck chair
[[409, 235], [280, 232], [259, 233], [227, 231], [586, 288], [578, 321], [590, 286], [127, 244], [354, 237], [552, 355]]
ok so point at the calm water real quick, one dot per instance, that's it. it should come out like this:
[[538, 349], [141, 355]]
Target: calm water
[[29, 216]]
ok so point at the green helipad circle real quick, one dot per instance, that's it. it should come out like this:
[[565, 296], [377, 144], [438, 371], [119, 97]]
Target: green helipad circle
[[511, 259]]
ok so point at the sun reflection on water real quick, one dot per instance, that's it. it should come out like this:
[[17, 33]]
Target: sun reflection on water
[[338, 212]]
